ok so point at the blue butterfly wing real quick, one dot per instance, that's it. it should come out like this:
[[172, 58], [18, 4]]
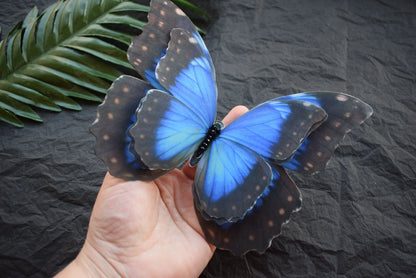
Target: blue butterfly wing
[[170, 126], [233, 175], [275, 129], [146, 50], [345, 112], [261, 224], [186, 72], [166, 132], [228, 180], [114, 117]]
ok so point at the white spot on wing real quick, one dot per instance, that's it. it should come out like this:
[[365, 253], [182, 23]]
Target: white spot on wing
[[193, 40], [342, 98], [179, 12]]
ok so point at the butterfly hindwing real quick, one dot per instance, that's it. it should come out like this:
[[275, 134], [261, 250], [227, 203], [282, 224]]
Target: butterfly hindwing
[[228, 180], [146, 50], [114, 117], [261, 224], [187, 74], [344, 113], [166, 132]]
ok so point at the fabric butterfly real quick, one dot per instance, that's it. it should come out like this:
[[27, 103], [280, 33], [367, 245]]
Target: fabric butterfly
[[242, 194]]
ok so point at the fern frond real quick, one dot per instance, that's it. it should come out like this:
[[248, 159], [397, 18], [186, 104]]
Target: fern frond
[[67, 52], [74, 48]]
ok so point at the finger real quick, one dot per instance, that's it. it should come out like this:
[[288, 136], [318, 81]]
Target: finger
[[234, 114], [110, 180], [231, 116]]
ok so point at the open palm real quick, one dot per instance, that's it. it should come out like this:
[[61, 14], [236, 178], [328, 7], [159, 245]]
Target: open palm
[[147, 228]]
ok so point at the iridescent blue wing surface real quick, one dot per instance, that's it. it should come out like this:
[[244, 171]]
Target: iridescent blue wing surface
[[146, 50], [187, 74], [114, 117], [345, 112], [171, 125], [166, 132], [261, 224], [276, 128], [229, 179], [233, 174]]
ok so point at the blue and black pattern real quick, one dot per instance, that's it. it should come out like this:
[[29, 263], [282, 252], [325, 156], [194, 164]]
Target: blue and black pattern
[[242, 193]]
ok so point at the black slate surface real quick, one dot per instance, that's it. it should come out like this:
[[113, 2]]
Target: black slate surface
[[358, 216]]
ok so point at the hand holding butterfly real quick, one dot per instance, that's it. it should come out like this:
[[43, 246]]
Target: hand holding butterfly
[[145, 229]]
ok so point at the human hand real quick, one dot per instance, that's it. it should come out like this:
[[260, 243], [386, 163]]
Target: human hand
[[145, 228]]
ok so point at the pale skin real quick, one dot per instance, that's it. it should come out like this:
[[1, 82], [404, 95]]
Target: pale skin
[[145, 228]]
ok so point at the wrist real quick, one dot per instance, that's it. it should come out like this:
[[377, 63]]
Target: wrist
[[89, 263]]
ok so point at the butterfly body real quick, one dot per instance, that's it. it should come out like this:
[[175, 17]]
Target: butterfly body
[[212, 133], [242, 194]]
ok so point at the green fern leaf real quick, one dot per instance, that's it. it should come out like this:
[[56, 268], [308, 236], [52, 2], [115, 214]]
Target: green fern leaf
[[72, 50]]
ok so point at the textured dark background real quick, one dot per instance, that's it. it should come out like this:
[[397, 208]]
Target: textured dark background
[[358, 217]]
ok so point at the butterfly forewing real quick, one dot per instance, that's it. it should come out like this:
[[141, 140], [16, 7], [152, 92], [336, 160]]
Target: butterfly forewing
[[114, 117], [186, 73], [262, 223], [146, 50], [344, 113], [275, 129]]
